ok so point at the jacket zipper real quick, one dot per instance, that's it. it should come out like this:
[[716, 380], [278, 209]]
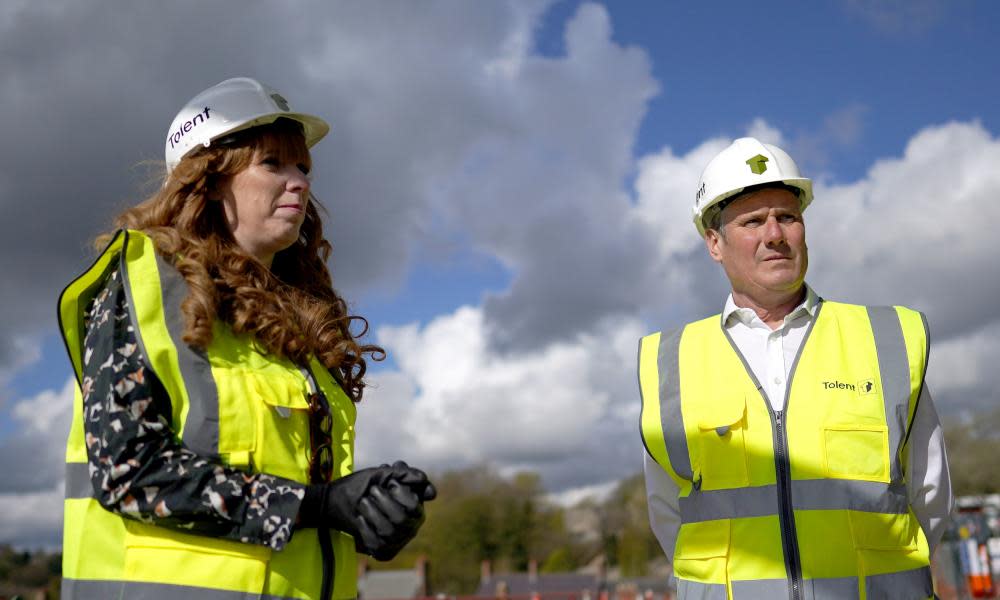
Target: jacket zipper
[[786, 516], [782, 468], [327, 556]]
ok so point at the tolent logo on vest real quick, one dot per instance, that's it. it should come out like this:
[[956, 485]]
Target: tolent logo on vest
[[863, 387]]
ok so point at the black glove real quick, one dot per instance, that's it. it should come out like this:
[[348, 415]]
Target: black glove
[[415, 479], [376, 506], [407, 489]]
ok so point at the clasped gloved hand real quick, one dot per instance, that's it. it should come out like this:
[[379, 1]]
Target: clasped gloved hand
[[381, 507]]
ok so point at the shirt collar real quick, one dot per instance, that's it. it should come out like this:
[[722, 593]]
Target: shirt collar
[[731, 312]]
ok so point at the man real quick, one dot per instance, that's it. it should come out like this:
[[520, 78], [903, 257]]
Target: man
[[792, 446]]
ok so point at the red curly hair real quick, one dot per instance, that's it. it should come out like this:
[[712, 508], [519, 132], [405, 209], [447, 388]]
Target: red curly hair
[[292, 309]]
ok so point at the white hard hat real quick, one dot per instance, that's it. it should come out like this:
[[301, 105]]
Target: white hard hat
[[230, 106], [746, 162]]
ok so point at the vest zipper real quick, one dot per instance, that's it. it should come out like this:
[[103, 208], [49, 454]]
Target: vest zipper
[[793, 565], [327, 557], [782, 468], [329, 562]]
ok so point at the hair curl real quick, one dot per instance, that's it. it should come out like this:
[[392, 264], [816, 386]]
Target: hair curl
[[291, 309]]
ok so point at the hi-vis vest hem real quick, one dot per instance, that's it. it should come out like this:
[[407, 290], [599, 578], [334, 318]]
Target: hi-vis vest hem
[[129, 590], [915, 583], [233, 402], [807, 502]]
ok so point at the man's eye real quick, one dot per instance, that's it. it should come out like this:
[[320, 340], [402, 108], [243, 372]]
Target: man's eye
[[751, 222]]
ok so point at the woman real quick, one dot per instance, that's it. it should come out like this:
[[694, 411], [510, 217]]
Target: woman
[[211, 449]]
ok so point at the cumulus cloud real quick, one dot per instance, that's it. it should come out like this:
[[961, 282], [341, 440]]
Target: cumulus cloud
[[567, 409], [916, 230], [448, 125], [899, 16], [32, 459], [912, 231]]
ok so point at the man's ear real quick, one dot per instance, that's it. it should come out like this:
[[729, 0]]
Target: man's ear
[[712, 241]]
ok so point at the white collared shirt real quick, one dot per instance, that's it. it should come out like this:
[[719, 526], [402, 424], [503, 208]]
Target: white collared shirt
[[770, 354]]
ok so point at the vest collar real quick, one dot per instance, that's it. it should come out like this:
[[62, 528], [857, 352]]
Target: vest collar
[[732, 314]]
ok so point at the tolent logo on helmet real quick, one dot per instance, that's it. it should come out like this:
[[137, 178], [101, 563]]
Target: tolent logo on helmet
[[758, 164], [188, 125]]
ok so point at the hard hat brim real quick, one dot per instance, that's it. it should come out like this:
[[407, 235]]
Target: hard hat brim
[[314, 129], [804, 185]]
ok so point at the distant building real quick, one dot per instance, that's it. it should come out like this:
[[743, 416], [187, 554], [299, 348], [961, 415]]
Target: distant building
[[569, 586], [392, 585]]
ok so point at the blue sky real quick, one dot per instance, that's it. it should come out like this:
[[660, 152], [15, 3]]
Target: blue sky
[[508, 186]]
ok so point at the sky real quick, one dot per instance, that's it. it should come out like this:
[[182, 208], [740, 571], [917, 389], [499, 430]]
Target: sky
[[508, 187]]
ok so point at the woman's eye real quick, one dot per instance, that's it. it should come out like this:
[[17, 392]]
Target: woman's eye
[[303, 168], [269, 161]]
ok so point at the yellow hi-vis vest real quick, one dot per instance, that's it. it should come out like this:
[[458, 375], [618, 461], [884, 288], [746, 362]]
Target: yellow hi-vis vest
[[234, 402], [805, 503]]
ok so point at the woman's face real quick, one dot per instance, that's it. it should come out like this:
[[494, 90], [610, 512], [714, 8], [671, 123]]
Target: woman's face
[[265, 203]]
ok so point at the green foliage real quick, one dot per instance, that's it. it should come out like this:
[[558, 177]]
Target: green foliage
[[559, 561], [628, 541], [33, 570], [480, 515], [973, 446]]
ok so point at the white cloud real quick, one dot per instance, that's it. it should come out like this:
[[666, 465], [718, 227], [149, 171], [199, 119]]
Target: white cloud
[[912, 231], [537, 409], [445, 125], [899, 16], [32, 461], [765, 132], [32, 520], [918, 230], [24, 351], [598, 492]]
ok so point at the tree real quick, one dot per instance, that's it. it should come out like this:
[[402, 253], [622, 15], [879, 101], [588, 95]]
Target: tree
[[480, 515], [973, 446]]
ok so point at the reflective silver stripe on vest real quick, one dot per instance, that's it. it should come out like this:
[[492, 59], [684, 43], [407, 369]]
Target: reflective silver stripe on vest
[[807, 494], [694, 590], [736, 503], [849, 494], [760, 588], [832, 588], [89, 589], [78, 481], [201, 429], [671, 419], [894, 367], [915, 583]]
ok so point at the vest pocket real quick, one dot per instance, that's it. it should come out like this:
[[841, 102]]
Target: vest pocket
[[159, 555], [856, 452], [881, 531], [237, 426], [722, 453], [282, 408], [702, 551]]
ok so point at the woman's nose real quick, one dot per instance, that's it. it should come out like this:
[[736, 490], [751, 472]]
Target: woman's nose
[[297, 180]]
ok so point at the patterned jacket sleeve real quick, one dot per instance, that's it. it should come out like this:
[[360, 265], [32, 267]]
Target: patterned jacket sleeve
[[138, 466]]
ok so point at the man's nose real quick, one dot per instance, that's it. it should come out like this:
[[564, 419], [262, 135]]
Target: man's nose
[[773, 232]]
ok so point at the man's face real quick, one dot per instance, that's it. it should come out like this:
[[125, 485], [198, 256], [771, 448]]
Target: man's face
[[762, 245]]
